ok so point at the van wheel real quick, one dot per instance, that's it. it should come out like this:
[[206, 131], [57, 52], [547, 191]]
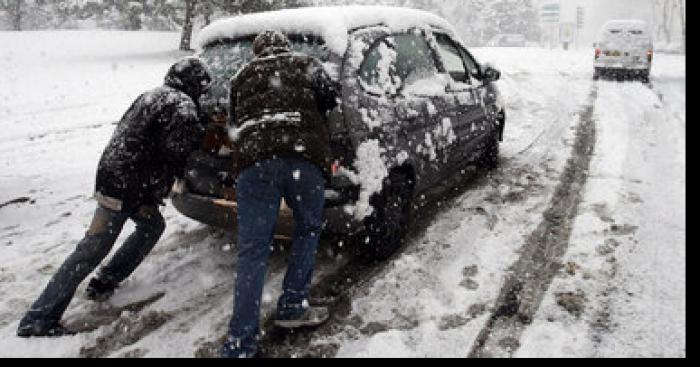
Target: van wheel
[[386, 226], [645, 77]]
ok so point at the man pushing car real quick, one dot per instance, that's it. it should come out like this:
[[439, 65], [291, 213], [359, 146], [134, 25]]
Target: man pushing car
[[145, 155]]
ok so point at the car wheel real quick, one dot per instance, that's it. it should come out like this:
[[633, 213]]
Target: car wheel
[[489, 158], [386, 226], [645, 77]]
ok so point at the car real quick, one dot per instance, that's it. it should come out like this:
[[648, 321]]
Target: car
[[624, 50], [508, 40], [415, 107]]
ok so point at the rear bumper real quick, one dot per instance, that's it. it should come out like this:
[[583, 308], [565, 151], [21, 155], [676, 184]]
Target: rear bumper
[[622, 65], [224, 214], [619, 72], [206, 199]]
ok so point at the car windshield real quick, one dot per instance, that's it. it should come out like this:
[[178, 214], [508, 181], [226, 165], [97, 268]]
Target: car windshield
[[224, 59]]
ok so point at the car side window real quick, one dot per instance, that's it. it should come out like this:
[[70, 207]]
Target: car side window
[[452, 59], [395, 61], [472, 65]]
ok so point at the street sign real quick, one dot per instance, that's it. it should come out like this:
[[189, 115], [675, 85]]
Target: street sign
[[566, 32], [549, 13]]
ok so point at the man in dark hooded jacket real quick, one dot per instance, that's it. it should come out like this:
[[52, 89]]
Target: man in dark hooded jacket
[[278, 109], [148, 150]]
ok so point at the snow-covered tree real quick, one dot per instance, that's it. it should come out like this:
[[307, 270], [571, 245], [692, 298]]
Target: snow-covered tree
[[206, 8], [21, 14], [510, 16], [670, 21]]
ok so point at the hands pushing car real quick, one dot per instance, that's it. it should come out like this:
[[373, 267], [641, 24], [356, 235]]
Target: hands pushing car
[[415, 107]]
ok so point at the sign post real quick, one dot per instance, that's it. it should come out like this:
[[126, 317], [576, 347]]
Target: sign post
[[566, 34], [549, 17], [580, 22]]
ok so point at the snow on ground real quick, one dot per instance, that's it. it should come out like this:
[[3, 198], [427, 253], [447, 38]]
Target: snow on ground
[[627, 256], [62, 91]]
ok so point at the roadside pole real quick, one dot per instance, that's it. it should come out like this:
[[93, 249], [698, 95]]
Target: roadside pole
[[549, 20], [566, 34], [580, 22]]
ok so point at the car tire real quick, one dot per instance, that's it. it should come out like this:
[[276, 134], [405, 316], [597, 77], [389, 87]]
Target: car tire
[[645, 77], [386, 227], [489, 158]]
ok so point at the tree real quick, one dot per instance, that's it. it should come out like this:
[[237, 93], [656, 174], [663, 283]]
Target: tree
[[25, 14], [206, 8], [15, 10], [186, 38], [681, 9], [670, 21], [510, 16]]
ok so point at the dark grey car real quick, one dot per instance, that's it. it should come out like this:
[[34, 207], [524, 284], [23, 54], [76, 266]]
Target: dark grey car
[[416, 96]]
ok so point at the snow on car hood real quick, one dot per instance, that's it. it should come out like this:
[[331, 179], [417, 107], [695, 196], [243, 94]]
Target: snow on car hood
[[331, 23]]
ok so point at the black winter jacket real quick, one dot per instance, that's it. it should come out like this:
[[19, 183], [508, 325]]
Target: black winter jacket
[[153, 140], [278, 105]]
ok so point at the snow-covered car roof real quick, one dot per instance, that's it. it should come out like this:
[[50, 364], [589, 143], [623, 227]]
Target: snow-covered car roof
[[332, 23], [625, 33], [626, 24]]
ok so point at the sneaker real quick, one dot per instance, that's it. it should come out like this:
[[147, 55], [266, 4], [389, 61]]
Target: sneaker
[[312, 316], [232, 349], [99, 291], [34, 330]]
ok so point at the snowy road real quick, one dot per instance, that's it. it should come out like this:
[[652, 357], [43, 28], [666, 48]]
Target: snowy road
[[619, 289]]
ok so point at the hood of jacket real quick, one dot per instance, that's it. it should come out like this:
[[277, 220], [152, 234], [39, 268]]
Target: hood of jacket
[[190, 76], [270, 43]]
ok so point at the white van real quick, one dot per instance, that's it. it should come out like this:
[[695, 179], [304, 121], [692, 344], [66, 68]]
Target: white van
[[624, 49]]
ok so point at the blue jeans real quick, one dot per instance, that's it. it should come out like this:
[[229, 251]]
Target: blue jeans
[[106, 225], [259, 192]]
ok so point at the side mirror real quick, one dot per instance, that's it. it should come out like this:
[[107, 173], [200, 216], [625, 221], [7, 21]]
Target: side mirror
[[491, 74]]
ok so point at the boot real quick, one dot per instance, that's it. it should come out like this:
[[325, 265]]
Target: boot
[[99, 291]]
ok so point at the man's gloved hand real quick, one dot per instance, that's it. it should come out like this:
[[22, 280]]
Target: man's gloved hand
[[226, 178], [178, 187]]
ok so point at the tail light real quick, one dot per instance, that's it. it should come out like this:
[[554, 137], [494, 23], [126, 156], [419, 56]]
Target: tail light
[[335, 167], [216, 139], [597, 53], [650, 55]]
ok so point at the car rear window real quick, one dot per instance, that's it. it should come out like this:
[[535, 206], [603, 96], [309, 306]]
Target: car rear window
[[226, 57]]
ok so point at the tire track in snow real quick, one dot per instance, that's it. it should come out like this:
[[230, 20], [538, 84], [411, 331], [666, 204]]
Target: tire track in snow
[[540, 258]]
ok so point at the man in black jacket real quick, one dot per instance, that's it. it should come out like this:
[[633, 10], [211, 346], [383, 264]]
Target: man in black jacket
[[278, 109], [148, 150]]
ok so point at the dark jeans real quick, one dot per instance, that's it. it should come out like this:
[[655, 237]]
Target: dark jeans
[[260, 189], [99, 239]]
